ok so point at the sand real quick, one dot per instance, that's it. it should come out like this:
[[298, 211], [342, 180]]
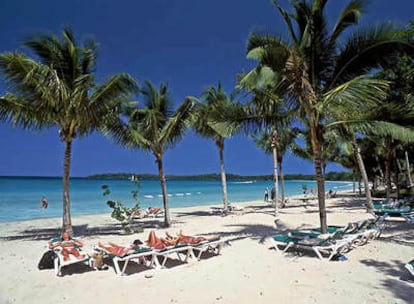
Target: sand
[[247, 271]]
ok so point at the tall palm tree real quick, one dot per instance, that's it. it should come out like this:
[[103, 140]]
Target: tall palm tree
[[58, 89], [205, 116], [155, 128], [314, 65], [267, 143]]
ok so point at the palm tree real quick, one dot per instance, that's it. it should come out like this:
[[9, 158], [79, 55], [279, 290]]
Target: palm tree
[[268, 144], [154, 128], [314, 67], [59, 90], [205, 117]]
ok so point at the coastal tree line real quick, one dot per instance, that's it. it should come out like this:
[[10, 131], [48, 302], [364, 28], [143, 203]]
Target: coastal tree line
[[331, 176], [324, 93]]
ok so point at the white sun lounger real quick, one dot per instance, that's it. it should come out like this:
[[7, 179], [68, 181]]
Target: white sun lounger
[[185, 249], [59, 261], [140, 255], [213, 246]]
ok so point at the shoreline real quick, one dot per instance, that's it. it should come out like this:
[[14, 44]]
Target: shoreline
[[247, 271]]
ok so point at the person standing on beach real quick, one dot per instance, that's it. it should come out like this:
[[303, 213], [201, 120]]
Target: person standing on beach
[[44, 202], [266, 194]]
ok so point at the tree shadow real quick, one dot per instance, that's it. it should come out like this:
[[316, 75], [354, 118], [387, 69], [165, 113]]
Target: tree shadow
[[396, 279]]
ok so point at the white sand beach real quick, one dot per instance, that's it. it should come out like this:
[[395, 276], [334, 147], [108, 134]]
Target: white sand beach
[[247, 271]]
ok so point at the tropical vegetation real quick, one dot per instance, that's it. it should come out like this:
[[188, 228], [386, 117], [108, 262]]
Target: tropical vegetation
[[324, 93], [57, 89]]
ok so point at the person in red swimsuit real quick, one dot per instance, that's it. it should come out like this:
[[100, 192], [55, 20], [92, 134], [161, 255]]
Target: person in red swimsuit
[[191, 240], [68, 246], [160, 243], [120, 250]]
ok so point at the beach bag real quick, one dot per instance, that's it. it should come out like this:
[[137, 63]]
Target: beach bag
[[47, 260]]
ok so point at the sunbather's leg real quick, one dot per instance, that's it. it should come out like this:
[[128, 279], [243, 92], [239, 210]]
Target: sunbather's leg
[[76, 253]]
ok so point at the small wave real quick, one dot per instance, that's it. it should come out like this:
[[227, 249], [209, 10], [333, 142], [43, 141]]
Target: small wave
[[149, 196], [246, 182], [188, 193], [179, 194]]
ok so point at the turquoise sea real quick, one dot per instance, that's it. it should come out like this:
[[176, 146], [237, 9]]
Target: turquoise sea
[[20, 196]]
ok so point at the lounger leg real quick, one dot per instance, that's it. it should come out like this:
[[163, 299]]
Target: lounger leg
[[57, 266], [154, 261], [190, 254], [125, 266], [116, 265]]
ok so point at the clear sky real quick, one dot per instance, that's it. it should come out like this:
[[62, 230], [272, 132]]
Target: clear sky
[[189, 44]]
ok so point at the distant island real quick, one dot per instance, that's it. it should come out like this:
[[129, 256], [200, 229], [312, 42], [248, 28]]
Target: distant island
[[331, 176]]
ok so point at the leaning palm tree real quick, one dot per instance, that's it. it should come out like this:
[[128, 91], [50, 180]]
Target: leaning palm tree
[[314, 65], [58, 89], [154, 128], [205, 117]]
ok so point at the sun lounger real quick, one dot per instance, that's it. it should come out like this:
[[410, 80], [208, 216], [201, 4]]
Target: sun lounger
[[139, 255], [213, 246], [330, 247], [179, 249], [394, 212], [409, 217], [230, 209], [59, 261], [410, 267]]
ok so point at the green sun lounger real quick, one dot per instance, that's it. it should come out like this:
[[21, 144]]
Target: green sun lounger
[[410, 267], [325, 249]]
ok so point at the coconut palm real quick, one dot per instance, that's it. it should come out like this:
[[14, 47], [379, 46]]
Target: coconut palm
[[282, 143], [156, 127], [58, 89], [207, 113], [314, 66]]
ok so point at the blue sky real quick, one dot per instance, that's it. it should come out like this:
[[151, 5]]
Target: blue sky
[[188, 44]]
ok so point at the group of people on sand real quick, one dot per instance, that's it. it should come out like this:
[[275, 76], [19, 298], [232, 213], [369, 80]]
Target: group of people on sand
[[155, 242], [69, 245]]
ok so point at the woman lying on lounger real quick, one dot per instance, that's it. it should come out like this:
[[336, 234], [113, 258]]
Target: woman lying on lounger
[[68, 246], [160, 243], [120, 250], [191, 240]]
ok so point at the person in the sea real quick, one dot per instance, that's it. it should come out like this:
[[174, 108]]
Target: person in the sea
[[118, 250], [44, 202], [160, 243], [191, 240], [68, 246]]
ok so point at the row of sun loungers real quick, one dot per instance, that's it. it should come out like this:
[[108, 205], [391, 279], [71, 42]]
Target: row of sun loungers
[[337, 241], [148, 256], [158, 258]]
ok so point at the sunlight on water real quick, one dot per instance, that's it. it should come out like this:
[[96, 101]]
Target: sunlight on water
[[20, 197]]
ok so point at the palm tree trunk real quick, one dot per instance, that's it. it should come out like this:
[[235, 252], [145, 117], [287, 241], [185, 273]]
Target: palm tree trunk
[[66, 220], [364, 175], [282, 183], [223, 177], [388, 177], [274, 150], [320, 180], [407, 162], [167, 220]]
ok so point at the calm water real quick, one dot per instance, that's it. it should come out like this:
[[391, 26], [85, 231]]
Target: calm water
[[20, 197]]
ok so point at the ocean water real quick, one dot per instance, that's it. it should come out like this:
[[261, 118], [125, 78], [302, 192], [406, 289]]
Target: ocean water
[[20, 196]]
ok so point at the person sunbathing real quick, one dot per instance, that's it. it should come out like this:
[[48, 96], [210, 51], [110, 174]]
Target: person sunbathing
[[160, 243], [120, 250], [191, 240], [68, 245]]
